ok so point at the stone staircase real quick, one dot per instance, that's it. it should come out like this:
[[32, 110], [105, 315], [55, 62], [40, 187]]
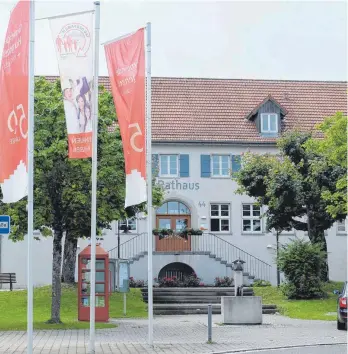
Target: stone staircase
[[246, 275], [208, 244], [186, 301]]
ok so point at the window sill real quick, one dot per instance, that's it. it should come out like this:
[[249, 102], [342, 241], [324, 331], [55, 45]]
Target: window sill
[[220, 177], [341, 234], [253, 233], [170, 177], [221, 233], [270, 132]]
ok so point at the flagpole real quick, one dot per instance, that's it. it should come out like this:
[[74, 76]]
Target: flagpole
[[94, 176], [149, 182], [30, 234]]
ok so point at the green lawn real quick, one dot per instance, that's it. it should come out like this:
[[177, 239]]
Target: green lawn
[[302, 309], [13, 307]]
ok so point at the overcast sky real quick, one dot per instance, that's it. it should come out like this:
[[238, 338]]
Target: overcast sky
[[301, 40]]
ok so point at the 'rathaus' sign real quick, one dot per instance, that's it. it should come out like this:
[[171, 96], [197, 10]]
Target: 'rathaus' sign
[[175, 185]]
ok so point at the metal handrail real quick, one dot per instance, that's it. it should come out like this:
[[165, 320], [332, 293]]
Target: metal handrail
[[207, 242], [260, 260], [138, 235]]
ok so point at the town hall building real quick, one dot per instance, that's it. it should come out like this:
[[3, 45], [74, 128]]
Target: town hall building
[[201, 128]]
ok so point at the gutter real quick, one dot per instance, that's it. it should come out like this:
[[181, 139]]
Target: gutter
[[202, 142]]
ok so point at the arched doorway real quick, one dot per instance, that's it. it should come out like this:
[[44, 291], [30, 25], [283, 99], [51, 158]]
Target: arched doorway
[[176, 269], [176, 216]]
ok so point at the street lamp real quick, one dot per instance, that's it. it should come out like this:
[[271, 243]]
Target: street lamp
[[276, 248]]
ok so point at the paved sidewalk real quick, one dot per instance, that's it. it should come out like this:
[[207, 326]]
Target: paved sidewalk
[[179, 334]]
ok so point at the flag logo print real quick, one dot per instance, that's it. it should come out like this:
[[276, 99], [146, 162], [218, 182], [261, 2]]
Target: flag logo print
[[73, 39]]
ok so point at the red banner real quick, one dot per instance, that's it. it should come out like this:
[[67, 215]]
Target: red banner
[[14, 88], [126, 65]]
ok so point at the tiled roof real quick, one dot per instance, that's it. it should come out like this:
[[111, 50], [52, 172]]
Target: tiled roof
[[215, 110]]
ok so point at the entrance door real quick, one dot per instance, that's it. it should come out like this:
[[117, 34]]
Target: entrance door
[[175, 223], [175, 216]]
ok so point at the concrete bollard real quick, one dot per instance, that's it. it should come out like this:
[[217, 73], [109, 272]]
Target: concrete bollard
[[210, 323]]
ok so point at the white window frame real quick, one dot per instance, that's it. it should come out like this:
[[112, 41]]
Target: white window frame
[[220, 175], [338, 224], [268, 117], [221, 217], [251, 218], [168, 165], [126, 222]]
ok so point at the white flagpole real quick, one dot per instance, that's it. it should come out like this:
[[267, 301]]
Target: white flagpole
[[149, 182], [94, 176], [30, 234]]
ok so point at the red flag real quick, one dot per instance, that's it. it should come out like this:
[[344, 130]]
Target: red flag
[[126, 65], [14, 88]]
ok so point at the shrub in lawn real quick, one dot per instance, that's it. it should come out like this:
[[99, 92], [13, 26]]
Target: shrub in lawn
[[260, 283], [301, 262], [223, 282]]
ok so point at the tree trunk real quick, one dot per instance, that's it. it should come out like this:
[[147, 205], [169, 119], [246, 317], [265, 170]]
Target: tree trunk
[[69, 260], [56, 277], [318, 236]]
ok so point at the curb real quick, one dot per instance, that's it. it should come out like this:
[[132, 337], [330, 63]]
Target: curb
[[260, 350]]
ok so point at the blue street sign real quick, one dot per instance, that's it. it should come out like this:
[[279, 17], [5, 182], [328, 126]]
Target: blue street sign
[[5, 223]]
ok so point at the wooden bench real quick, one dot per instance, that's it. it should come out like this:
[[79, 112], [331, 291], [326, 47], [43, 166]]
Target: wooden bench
[[8, 278]]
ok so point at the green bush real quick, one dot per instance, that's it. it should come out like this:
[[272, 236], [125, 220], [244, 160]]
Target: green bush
[[302, 263], [260, 283]]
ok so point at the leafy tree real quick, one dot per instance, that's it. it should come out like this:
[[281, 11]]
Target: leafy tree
[[286, 184], [334, 149], [301, 262], [62, 189]]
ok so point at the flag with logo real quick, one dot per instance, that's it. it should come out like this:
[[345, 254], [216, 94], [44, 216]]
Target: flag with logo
[[73, 42], [14, 88], [126, 65]]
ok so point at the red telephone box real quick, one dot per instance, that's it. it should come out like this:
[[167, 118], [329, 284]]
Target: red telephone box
[[101, 284]]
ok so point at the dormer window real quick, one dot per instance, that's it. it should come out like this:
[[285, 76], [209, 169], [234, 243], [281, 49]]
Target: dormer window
[[268, 116], [269, 123]]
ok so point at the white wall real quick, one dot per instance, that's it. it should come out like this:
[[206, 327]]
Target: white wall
[[14, 260]]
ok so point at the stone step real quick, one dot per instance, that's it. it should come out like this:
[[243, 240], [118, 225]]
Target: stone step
[[188, 300], [186, 309], [199, 290], [196, 293]]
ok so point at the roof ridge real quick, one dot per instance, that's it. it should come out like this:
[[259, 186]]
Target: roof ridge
[[225, 79]]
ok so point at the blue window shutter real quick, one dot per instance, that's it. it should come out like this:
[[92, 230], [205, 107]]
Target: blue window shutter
[[205, 166], [236, 164], [184, 165], [155, 165]]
